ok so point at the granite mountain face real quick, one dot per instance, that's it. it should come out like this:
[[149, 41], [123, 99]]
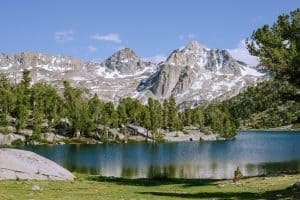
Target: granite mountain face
[[193, 75], [196, 74]]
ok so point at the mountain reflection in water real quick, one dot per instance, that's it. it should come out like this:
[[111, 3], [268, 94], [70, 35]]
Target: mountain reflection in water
[[256, 153]]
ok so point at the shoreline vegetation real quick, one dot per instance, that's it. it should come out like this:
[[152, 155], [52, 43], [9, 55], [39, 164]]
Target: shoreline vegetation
[[97, 187]]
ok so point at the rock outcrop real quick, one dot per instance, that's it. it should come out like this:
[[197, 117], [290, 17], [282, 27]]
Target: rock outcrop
[[8, 139], [51, 137], [190, 134], [25, 165]]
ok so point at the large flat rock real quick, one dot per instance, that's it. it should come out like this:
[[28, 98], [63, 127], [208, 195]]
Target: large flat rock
[[26, 165]]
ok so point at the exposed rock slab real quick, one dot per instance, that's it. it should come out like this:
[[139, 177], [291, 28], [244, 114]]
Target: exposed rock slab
[[7, 139], [179, 136], [138, 130], [51, 137], [25, 165]]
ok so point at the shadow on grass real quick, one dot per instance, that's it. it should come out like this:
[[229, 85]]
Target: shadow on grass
[[154, 181], [275, 194]]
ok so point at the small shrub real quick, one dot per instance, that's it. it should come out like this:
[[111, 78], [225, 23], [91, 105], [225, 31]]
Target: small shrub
[[17, 142], [159, 137], [237, 175], [5, 130]]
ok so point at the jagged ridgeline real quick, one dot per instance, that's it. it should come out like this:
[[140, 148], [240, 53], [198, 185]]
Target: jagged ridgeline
[[193, 75], [42, 108]]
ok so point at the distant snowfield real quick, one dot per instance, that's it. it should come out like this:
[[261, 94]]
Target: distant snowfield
[[109, 74]]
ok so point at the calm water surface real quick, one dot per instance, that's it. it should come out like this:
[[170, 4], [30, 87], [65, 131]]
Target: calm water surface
[[255, 152]]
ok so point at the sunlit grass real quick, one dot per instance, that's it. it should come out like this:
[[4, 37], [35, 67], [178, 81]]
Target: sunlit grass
[[93, 187]]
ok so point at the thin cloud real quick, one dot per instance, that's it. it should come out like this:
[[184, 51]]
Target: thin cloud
[[188, 36], [191, 36], [241, 53], [62, 36], [156, 59], [92, 48], [111, 37]]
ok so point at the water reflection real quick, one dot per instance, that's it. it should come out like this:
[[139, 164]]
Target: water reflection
[[256, 153]]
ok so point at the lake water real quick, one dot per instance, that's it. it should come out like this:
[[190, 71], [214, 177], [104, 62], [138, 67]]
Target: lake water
[[255, 152]]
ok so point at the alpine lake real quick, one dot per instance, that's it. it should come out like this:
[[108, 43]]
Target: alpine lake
[[254, 152]]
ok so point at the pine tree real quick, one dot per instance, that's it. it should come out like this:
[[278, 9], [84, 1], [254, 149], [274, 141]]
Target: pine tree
[[109, 116], [278, 46], [95, 108], [7, 99], [87, 124], [198, 118], [73, 107], [165, 112], [146, 119], [53, 106], [173, 122], [22, 106], [155, 112], [121, 109], [37, 107]]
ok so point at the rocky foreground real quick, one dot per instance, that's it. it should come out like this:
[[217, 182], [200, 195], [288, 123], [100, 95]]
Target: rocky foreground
[[25, 165]]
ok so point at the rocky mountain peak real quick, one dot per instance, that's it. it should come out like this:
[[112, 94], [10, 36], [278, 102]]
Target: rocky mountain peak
[[197, 68], [125, 61], [125, 53], [194, 45]]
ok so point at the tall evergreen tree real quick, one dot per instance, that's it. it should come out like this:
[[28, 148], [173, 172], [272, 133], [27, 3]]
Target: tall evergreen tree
[[155, 112], [173, 122], [165, 111], [73, 107], [278, 46], [22, 106], [7, 99]]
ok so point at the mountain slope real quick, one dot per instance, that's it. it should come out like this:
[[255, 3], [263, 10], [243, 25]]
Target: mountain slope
[[270, 104], [193, 75]]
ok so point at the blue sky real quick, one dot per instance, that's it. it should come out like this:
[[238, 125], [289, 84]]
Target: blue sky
[[93, 30]]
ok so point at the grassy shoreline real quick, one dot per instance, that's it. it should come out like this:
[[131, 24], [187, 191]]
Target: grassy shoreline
[[96, 187]]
